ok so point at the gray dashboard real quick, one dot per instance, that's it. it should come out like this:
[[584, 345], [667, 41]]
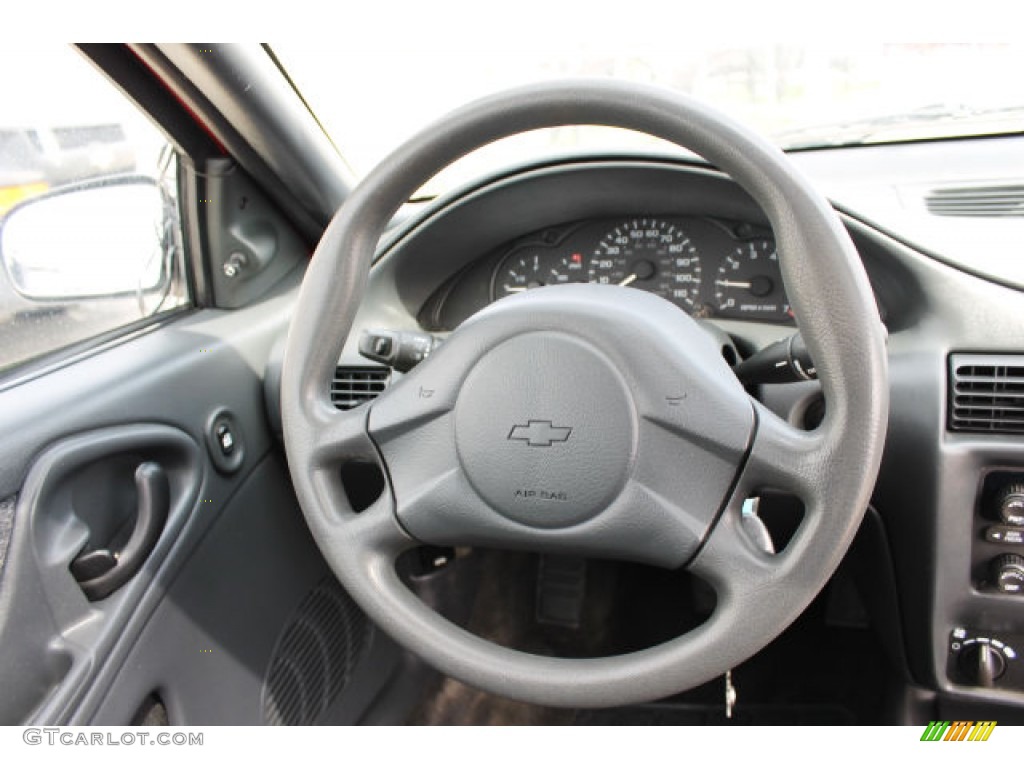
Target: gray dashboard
[[438, 266]]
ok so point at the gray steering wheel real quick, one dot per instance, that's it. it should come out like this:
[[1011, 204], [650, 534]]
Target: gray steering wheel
[[593, 420]]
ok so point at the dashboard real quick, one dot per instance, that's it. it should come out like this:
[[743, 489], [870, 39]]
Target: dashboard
[[685, 233]]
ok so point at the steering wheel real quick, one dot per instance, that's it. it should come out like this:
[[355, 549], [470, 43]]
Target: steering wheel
[[594, 420]]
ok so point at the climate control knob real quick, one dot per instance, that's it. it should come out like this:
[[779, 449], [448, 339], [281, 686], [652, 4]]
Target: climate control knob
[[1008, 574], [1011, 504], [982, 664]]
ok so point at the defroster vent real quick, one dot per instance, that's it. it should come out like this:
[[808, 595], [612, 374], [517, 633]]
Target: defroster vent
[[978, 200], [986, 393], [353, 386]]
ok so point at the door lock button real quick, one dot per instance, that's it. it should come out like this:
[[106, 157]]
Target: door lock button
[[224, 441], [225, 438]]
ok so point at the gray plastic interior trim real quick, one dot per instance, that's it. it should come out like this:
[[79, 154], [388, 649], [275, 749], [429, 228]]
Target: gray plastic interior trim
[[261, 120], [242, 225], [207, 647], [6, 527], [51, 654], [175, 376]]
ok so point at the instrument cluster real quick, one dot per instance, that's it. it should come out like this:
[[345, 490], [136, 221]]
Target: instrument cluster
[[708, 267]]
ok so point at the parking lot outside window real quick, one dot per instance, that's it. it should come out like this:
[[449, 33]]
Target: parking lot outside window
[[90, 238]]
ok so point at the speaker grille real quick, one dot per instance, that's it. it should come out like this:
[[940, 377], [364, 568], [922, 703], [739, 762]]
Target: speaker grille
[[314, 658]]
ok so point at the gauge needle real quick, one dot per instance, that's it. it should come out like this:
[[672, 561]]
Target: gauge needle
[[732, 284], [628, 280], [515, 288]]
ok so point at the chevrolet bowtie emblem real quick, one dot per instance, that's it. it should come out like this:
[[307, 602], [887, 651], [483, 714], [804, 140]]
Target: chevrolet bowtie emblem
[[539, 433]]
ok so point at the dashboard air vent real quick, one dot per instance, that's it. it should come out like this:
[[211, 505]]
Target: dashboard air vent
[[987, 393], [354, 386], [1001, 200]]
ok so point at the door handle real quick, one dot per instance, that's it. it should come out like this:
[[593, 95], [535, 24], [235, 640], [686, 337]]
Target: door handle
[[100, 572]]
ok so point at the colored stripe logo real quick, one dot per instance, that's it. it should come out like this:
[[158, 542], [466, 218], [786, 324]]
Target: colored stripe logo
[[958, 730]]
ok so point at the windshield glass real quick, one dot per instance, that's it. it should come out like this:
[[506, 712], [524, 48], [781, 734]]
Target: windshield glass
[[865, 112], [370, 100]]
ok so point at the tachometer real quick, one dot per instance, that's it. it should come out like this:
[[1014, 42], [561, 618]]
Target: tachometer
[[749, 283], [651, 254]]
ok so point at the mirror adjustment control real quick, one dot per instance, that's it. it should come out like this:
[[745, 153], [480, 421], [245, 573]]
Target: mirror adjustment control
[[1011, 504], [1008, 574], [236, 262]]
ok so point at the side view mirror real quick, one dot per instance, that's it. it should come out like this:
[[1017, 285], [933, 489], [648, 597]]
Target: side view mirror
[[103, 237]]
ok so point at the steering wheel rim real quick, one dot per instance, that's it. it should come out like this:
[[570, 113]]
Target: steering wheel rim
[[831, 469]]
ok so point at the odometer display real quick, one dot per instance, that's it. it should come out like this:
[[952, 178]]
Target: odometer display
[[651, 254]]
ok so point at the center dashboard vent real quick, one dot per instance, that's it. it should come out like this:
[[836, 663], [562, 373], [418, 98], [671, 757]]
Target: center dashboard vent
[[354, 386], [986, 393], [982, 200]]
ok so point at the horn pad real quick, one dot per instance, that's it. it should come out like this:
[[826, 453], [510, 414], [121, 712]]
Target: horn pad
[[546, 429]]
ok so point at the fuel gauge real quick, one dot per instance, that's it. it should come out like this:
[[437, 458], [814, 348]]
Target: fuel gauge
[[528, 268]]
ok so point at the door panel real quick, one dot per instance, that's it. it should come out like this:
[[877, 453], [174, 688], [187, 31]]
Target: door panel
[[236, 640], [151, 547], [77, 497], [72, 440]]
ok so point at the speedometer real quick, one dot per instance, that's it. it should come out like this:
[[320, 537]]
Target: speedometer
[[651, 254]]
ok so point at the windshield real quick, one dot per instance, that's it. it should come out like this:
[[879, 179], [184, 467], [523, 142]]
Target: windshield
[[865, 110], [370, 100]]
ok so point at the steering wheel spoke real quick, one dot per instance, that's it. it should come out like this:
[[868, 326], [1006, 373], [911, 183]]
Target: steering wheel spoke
[[374, 531], [784, 458], [781, 458], [730, 561], [342, 436]]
